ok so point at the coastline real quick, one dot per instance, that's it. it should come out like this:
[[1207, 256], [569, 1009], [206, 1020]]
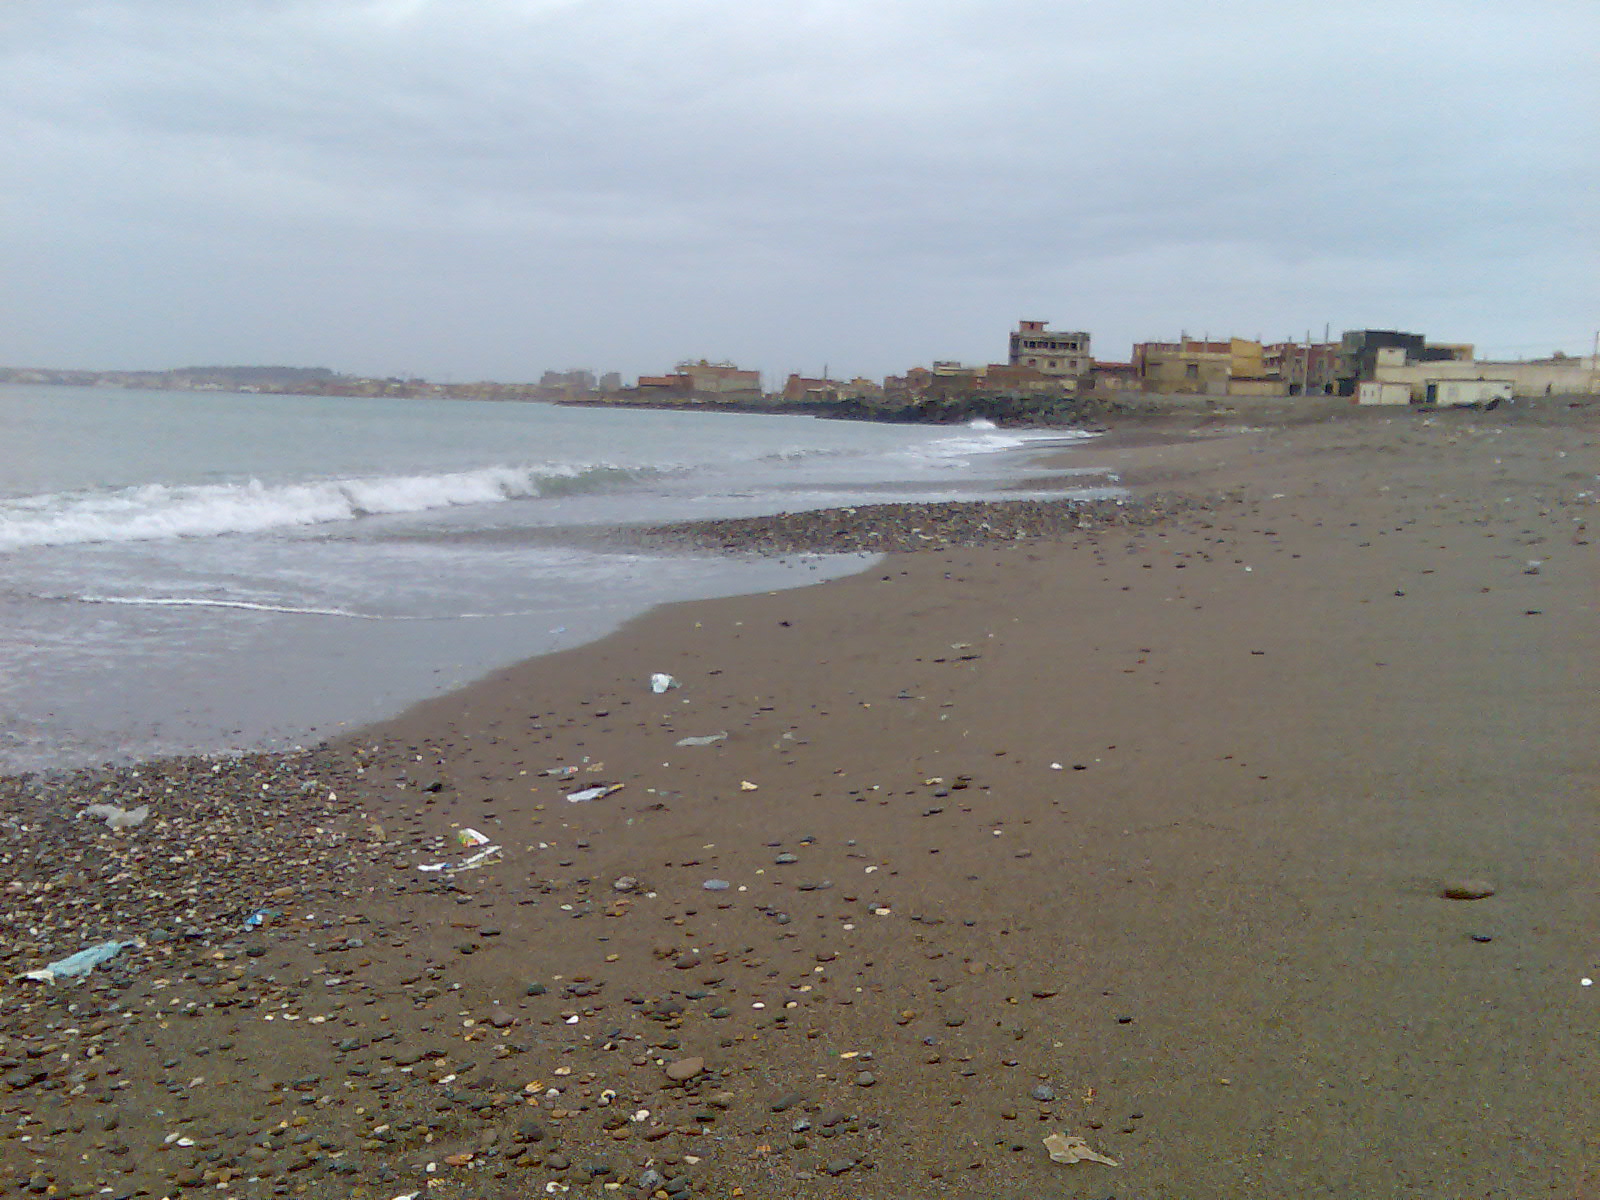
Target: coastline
[[1220, 913]]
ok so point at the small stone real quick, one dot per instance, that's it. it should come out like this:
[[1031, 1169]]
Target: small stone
[[1043, 1094], [784, 860], [1466, 889], [684, 1069], [838, 1166], [866, 1079], [715, 885]]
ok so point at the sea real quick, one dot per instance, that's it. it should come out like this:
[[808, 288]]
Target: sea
[[206, 572]]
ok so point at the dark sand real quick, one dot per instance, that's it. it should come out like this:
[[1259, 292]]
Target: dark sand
[[1150, 815]]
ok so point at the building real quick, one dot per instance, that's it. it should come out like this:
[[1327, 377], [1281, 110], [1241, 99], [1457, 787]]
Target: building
[[721, 379], [1115, 377], [1371, 391], [1204, 368], [1564, 376], [798, 388], [1306, 368], [1050, 351], [703, 380], [1361, 351], [575, 382]]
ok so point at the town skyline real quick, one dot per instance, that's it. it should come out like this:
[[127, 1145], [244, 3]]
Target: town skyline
[[1041, 365]]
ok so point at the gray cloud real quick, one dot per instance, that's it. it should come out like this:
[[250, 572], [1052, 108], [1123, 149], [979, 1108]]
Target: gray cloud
[[486, 189]]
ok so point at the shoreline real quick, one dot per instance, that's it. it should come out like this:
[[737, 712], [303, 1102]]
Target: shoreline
[[1132, 832]]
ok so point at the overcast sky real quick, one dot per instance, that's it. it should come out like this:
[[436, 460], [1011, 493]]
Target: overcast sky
[[483, 189]]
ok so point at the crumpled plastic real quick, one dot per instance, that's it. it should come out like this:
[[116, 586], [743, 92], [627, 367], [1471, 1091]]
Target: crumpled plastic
[[75, 966], [1068, 1148], [599, 791], [117, 817], [707, 740], [471, 863]]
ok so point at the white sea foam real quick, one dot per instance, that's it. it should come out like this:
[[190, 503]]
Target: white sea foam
[[156, 511], [980, 436], [249, 605], [293, 609]]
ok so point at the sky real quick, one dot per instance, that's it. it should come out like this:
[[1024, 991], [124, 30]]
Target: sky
[[486, 189]]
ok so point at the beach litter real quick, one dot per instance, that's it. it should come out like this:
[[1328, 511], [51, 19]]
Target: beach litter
[[118, 818], [259, 918], [75, 966], [661, 682], [707, 740], [1066, 1148], [471, 837], [597, 792], [470, 863]]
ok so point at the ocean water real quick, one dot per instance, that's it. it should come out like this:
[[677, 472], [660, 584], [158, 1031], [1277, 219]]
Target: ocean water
[[200, 572]]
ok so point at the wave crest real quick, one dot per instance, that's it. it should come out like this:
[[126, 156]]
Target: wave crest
[[157, 511]]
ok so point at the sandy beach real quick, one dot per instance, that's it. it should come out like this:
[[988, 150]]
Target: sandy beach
[[1138, 824]]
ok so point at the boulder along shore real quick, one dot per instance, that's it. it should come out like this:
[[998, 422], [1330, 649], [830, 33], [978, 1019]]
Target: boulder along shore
[[1242, 834]]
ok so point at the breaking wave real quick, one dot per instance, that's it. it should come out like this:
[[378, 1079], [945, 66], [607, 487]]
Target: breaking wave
[[157, 511]]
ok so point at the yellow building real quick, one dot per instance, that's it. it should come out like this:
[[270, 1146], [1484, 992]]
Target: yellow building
[[1204, 368]]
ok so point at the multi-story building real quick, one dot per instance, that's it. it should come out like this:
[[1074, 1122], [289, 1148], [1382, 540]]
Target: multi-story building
[[1204, 368], [1363, 351], [574, 382], [1050, 351], [703, 379], [1305, 368]]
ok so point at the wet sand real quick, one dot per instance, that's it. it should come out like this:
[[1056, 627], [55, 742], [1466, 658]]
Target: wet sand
[[1133, 827]]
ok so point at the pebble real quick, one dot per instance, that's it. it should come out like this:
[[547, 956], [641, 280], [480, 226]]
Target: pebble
[[716, 885], [1043, 1094], [684, 1069], [1466, 889]]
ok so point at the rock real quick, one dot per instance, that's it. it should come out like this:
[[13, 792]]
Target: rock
[[684, 1069], [715, 885], [1043, 1094], [866, 1079], [1466, 889]]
